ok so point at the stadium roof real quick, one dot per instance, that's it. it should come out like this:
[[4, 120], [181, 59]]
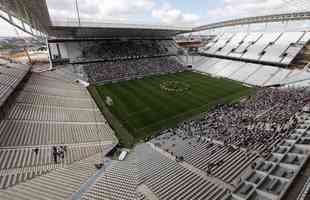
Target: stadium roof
[[292, 16], [35, 13], [62, 29], [32, 12]]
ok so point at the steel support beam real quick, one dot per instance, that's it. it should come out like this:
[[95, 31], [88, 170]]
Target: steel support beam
[[256, 20], [34, 13], [11, 21]]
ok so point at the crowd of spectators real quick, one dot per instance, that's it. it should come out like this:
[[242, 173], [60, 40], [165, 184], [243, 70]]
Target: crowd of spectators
[[130, 69], [128, 59], [257, 122], [127, 49]]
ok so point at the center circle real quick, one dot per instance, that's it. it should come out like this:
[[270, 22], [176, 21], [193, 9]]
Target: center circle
[[174, 86]]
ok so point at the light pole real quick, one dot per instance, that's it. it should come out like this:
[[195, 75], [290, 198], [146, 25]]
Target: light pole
[[77, 12]]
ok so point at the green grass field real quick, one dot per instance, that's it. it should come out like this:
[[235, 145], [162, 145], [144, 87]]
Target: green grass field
[[142, 106]]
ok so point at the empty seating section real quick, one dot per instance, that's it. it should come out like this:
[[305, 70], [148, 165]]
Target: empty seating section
[[12, 158], [22, 111], [11, 74], [218, 66], [71, 72], [220, 161], [252, 74], [198, 60], [254, 52], [58, 184], [275, 52], [230, 69], [169, 180], [248, 41], [291, 53], [220, 43], [119, 181], [209, 45], [207, 64], [55, 91], [66, 74], [9, 80], [263, 74], [11, 179], [276, 47], [44, 133], [245, 72], [233, 44], [297, 75], [56, 107], [299, 84], [295, 78], [56, 101], [58, 87], [46, 113]]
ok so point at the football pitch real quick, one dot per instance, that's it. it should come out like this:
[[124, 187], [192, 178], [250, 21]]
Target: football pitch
[[150, 104]]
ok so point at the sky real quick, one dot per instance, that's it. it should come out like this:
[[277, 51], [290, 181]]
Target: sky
[[171, 12]]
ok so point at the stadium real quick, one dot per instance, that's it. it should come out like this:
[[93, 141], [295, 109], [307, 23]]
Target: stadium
[[129, 111]]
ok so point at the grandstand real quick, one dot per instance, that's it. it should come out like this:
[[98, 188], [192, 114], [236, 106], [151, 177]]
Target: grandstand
[[223, 119], [264, 51]]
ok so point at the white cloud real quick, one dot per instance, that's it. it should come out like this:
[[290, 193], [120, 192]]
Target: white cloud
[[121, 10], [244, 8], [233, 9], [169, 15], [99, 9], [125, 8]]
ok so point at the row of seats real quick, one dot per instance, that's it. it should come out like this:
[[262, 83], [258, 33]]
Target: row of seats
[[26, 157], [55, 101], [119, 181], [55, 91], [47, 133], [250, 73], [48, 112], [69, 73], [120, 49], [220, 161], [55, 82], [169, 180], [59, 184], [21, 111], [272, 176], [11, 74], [11, 179], [130, 69], [280, 48]]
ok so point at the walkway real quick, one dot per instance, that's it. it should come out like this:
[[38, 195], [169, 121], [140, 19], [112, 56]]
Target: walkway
[[147, 192], [91, 180]]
